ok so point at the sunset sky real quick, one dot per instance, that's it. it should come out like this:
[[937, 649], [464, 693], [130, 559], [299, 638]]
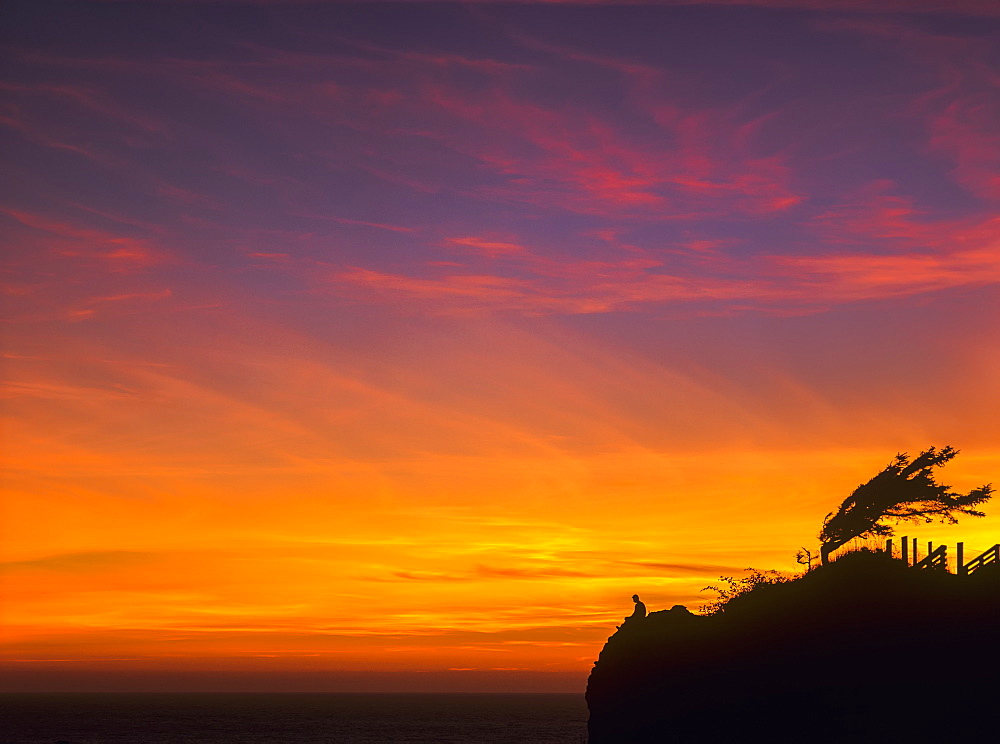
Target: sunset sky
[[394, 346]]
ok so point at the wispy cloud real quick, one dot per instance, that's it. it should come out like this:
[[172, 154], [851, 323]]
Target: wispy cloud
[[960, 255], [421, 340], [87, 561]]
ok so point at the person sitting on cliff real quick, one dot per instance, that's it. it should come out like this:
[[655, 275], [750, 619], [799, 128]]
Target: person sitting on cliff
[[640, 609], [639, 613]]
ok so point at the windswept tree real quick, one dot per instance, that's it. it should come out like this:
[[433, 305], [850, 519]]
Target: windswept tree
[[904, 491]]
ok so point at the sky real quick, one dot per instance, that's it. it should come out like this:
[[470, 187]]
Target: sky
[[394, 346]]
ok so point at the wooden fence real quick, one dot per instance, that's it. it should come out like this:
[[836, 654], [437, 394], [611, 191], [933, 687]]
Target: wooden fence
[[937, 558]]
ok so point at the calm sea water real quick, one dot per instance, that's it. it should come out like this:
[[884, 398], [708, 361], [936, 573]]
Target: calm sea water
[[81, 718]]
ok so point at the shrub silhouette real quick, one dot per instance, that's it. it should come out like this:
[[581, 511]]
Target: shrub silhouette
[[739, 587]]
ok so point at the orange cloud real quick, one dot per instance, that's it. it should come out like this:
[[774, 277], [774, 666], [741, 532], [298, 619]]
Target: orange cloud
[[429, 526]]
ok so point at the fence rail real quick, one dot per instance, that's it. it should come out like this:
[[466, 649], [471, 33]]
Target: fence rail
[[936, 558], [983, 559]]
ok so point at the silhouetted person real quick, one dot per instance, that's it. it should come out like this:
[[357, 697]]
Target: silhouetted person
[[639, 613], [640, 609]]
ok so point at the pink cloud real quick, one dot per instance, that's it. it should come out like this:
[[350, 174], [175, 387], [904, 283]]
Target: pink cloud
[[34, 135], [949, 255], [100, 305], [659, 156], [489, 247], [961, 113], [364, 223], [121, 253], [557, 156], [575, 288], [93, 101], [162, 295], [480, 287], [873, 214], [493, 66], [275, 256], [844, 278], [573, 160], [968, 131]]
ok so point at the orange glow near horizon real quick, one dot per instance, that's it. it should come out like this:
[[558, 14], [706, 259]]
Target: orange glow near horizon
[[165, 520], [357, 356]]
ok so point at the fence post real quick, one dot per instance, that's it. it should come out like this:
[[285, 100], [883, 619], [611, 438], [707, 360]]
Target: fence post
[[914, 551], [905, 548], [888, 547], [960, 559]]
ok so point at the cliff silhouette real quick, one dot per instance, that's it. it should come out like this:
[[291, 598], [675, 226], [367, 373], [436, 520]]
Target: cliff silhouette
[[865, 649]]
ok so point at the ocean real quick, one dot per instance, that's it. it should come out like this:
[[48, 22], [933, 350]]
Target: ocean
[[252, 718]]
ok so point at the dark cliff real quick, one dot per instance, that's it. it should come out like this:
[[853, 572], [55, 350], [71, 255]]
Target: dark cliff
[[863, 650]]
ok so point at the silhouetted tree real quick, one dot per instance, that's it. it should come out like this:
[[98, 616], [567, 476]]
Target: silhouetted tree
[[805, 558], [904, 490]]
